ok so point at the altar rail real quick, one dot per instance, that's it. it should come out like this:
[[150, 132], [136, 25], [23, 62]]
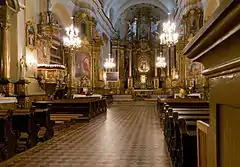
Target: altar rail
[[202, 133]]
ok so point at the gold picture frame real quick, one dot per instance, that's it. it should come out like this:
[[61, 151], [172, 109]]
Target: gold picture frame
[[31, 34]]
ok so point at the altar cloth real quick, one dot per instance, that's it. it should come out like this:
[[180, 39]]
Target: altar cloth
[[8, 100], [79, 96]]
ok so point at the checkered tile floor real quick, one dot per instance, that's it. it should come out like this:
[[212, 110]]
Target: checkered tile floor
[[128, 135]]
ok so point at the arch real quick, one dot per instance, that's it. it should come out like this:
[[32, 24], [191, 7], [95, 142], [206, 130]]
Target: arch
[[135, 2], [61, 12], [169, 4]]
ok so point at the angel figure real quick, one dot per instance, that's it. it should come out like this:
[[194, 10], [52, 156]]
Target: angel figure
[[23, 67]]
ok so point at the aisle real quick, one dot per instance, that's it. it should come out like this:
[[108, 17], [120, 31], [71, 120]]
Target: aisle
[[128, 135]]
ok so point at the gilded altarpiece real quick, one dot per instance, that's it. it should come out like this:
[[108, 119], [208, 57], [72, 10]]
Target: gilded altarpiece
[[192, 21], [82, 66], [143, 65], [87, 58]]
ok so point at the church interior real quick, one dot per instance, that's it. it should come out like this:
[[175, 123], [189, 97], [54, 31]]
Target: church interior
[[123, 83]]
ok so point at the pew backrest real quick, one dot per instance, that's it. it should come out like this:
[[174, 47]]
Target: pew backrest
[[202, 147]]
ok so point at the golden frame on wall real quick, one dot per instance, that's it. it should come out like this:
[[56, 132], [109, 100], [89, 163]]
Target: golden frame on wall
[[31, 34]]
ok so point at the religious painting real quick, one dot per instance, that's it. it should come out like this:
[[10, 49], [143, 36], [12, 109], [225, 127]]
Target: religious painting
[[143, 31], [83, 65], [31, 35], [143, 64], [112, 76], [195, 68]]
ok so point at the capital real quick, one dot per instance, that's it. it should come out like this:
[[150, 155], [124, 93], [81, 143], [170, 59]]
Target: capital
[[5, 25]]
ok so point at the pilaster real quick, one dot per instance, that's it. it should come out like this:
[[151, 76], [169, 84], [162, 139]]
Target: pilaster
[[5, 48], [6, 12]]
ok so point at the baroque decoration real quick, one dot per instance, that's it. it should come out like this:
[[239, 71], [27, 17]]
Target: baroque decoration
[[31, 34], [77, 59]]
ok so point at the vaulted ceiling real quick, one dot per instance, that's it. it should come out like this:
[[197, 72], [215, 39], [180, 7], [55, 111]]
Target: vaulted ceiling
[[117, 7]]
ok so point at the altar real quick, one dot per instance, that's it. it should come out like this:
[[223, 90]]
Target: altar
[[144, 93], [8, 103]]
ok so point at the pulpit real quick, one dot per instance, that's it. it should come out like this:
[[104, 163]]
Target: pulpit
[[51, 77]]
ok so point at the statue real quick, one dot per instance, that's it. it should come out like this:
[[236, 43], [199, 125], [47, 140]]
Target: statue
[[31, 39], [85, 82], [23, 68], [49, 5], [182, 93], [193, 22]]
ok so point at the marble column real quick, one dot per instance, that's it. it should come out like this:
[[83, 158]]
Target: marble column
[[6, 86], [130, 79], [71, 72], [156, 79], [5, 55], [121, 69], [118, 67]]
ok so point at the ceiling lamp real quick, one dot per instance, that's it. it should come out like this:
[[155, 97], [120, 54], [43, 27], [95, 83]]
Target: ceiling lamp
[[169, 37], [72, 40], [161, 61], [109, 63]]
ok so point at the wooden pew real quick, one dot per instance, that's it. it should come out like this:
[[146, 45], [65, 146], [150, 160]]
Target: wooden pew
[[76, 109], [23, 121], [181, 137], [179, 119], [23, 124], [7, 136], [202, 147], [42, 120], [99, 107], [179, 103], [63, 112], [191, 115]]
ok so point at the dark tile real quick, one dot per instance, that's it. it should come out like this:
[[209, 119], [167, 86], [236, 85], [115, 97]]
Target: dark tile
[[129, 136]]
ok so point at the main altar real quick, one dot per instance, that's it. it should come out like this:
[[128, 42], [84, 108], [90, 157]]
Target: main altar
[[136, 50]]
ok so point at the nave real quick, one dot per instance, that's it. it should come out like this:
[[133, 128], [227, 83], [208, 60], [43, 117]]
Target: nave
[[128, 135]]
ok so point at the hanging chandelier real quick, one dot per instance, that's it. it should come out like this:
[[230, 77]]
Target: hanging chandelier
[[169, 36], [109, 63], [72, 40], [161, 61]]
